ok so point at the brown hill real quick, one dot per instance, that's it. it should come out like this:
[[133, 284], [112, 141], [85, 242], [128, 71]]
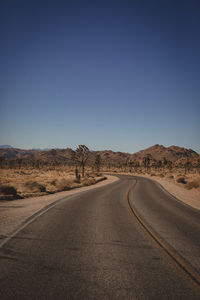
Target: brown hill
[[59, 155], [172, 153], [16, 153], [156, 152]]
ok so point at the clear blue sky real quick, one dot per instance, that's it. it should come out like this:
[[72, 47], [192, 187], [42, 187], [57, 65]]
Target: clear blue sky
[[120, 75]]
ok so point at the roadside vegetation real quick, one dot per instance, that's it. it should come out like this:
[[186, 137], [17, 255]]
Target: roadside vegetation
[[19, 181], [32, 182], [32, 176], [185, 174]]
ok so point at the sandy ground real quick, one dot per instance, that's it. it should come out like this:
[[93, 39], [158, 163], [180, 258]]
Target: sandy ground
[[14, 213]]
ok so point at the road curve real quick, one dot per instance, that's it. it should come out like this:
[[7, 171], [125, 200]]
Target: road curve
[[91, 247]]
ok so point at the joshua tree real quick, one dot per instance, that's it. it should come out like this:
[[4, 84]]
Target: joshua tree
[[169, 165], [2, 162], [82, 153], [19, 161], [159, 165], [187, 166], [77, 175], [130, 164], [97, 163], [137, 165], [53, 152], [165, 161], [146, 162], [198, 165]]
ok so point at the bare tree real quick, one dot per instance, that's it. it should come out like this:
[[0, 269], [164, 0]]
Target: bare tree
[[82, 153]]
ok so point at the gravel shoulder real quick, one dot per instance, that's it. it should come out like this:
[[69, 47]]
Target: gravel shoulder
[[16, 212]]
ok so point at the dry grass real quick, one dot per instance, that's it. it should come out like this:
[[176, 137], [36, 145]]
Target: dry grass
[[33, 182], [64, 184], [34, 186]]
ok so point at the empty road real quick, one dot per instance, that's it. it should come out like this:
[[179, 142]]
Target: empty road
[[126, 240]]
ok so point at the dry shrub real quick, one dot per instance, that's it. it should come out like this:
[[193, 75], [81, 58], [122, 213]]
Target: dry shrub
[[64, 184], [34, 186], [31, 182], [88, 181], [53, 182], [181, 180], [170, 176], [8, 190], [100, 179], [98, 175], [193, 184], [161, 175], [152, 174]]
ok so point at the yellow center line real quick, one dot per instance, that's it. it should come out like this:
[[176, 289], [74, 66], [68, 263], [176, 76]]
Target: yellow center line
[[190, 274]]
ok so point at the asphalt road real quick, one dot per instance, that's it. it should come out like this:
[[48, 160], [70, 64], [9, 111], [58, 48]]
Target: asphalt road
[[90, 246]]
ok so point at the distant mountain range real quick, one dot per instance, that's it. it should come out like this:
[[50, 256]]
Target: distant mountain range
[[8, 147], [156, 152], [5, 146]]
